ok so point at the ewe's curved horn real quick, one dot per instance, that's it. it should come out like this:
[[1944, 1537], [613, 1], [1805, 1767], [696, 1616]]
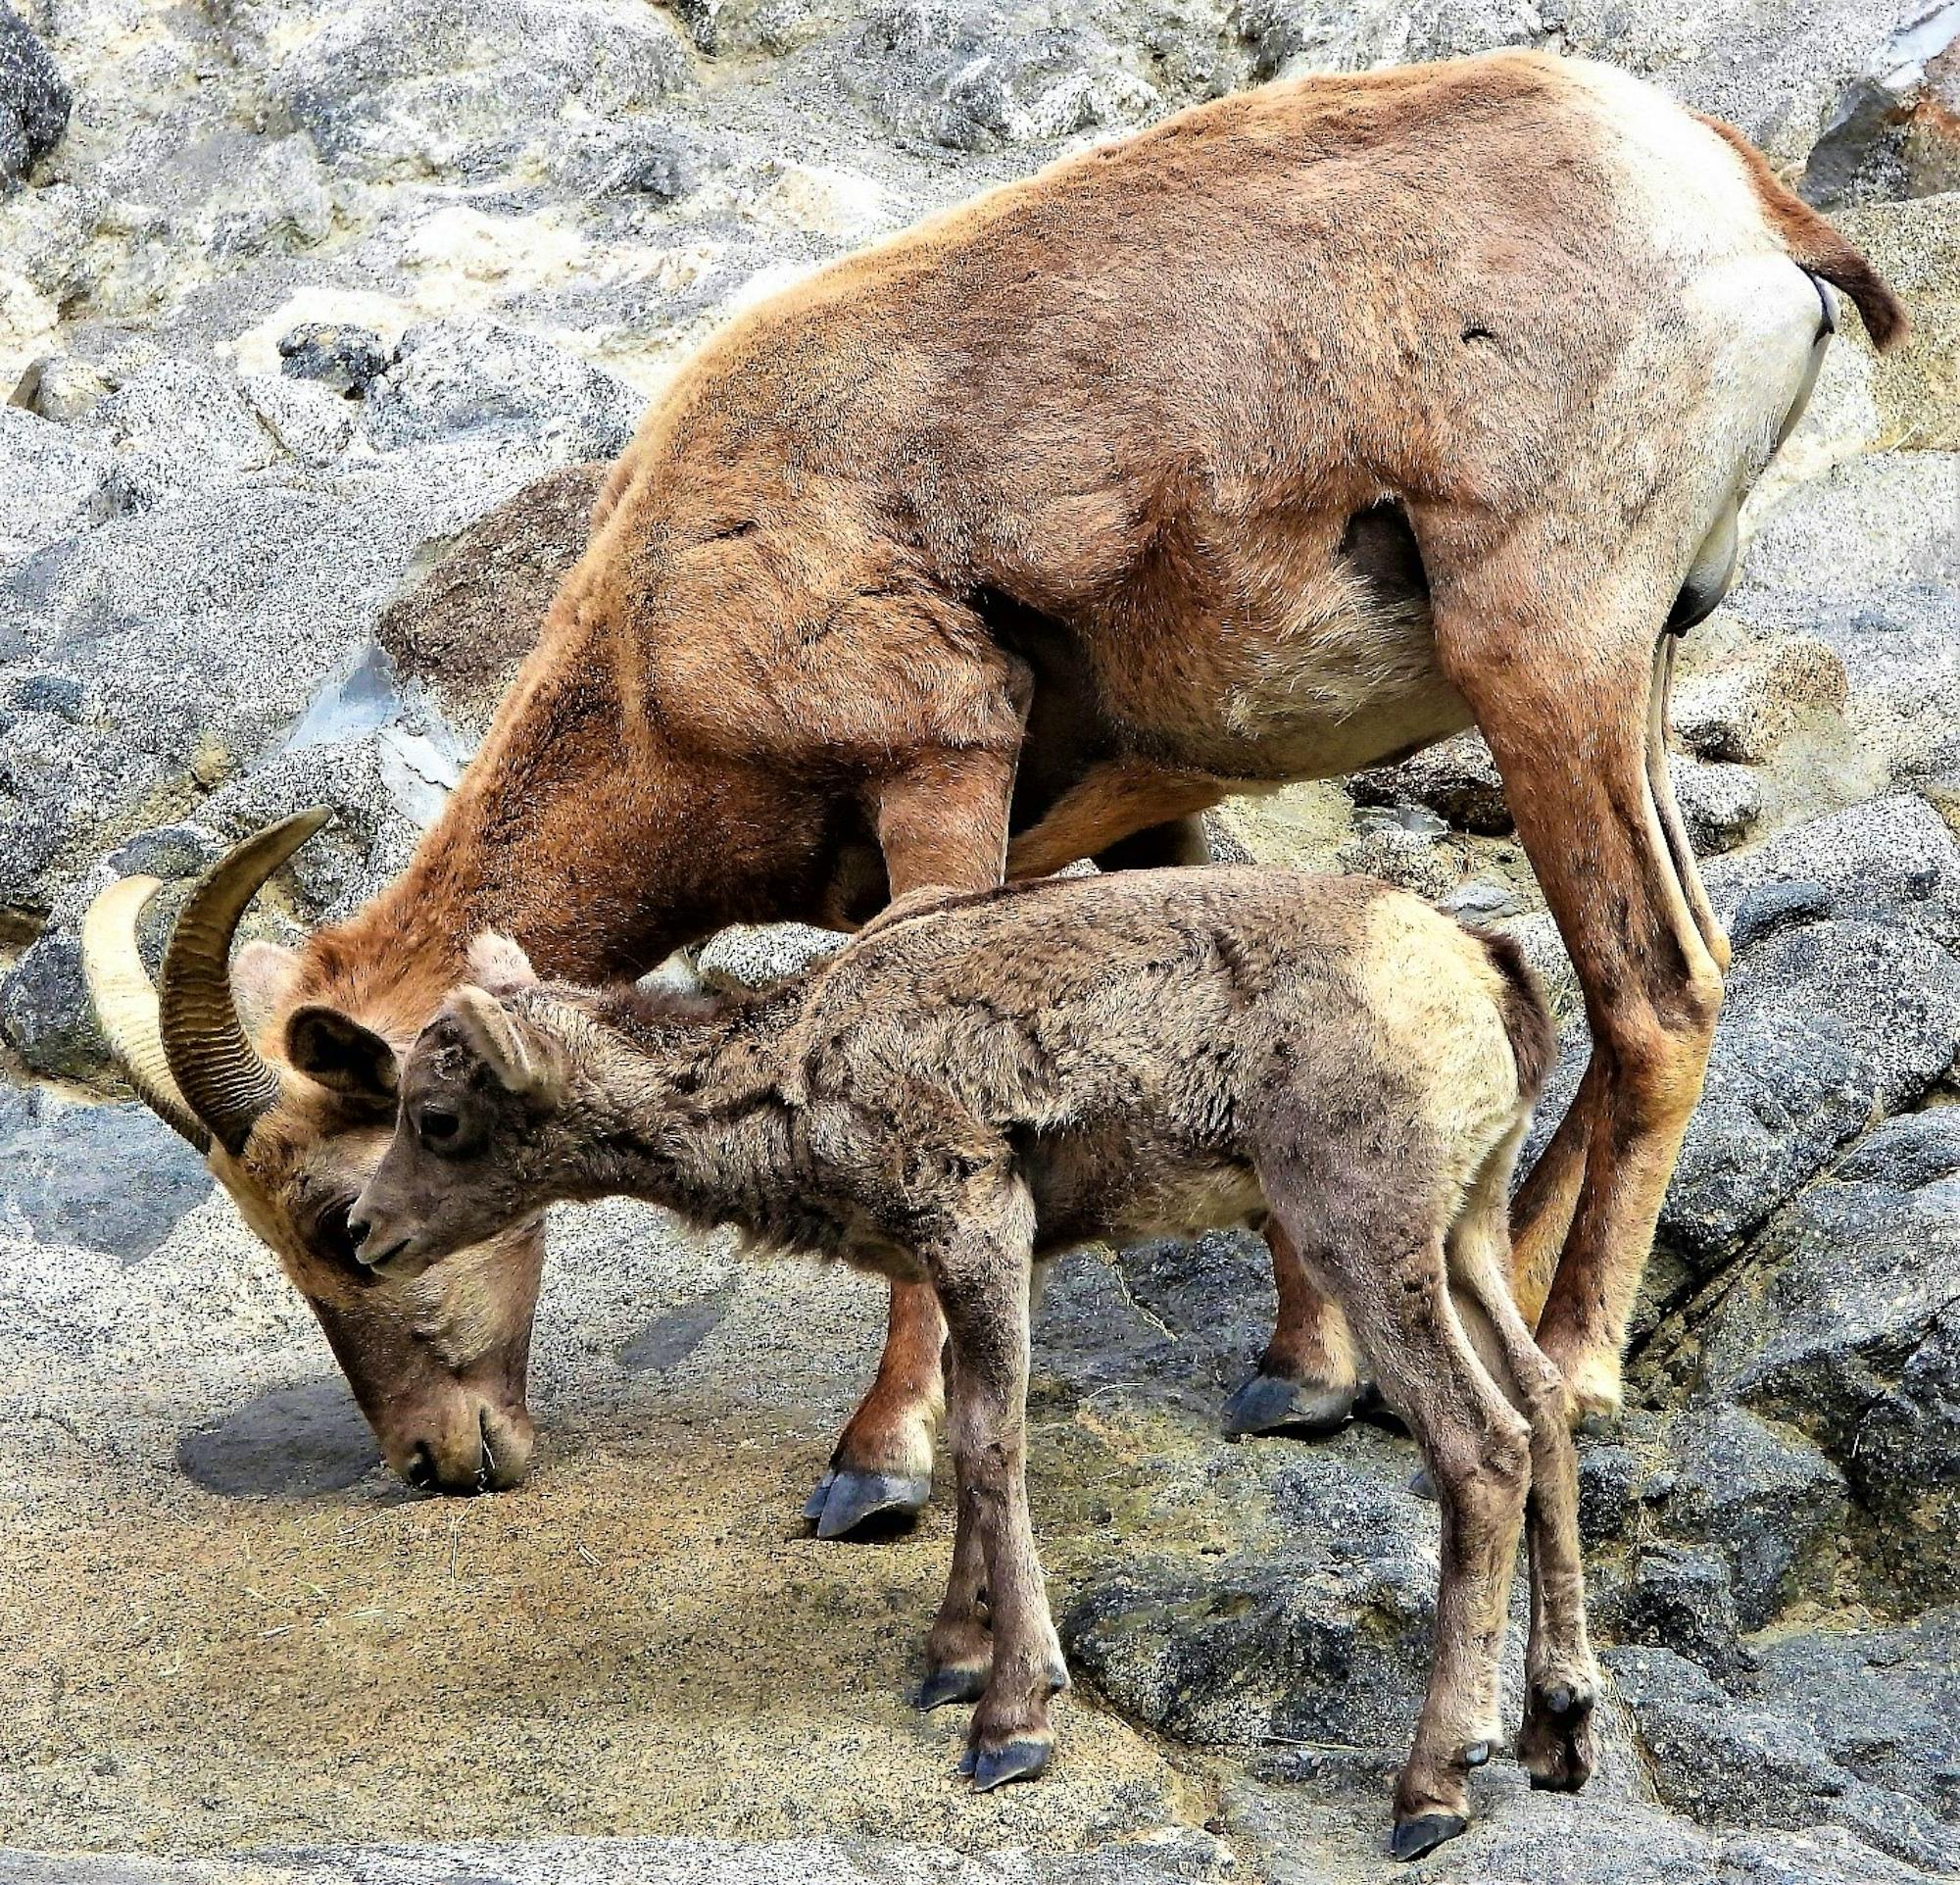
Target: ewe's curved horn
[[127, 1004], [217, 1070]]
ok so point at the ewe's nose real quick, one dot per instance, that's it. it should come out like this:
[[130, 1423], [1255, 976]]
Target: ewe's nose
[[357, 1229], [488, 1449]]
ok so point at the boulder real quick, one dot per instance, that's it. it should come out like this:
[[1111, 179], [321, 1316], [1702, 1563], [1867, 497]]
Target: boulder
[[452, 378], [34, 99], [437, 87], [1746, 1762], [460, 632]]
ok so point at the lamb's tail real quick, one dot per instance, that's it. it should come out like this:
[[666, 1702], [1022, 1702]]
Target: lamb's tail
[[1813, 244], [1526, 1019]]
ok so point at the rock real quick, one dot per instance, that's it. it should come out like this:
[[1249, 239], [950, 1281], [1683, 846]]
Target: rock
[[1840, 1317], [1757, 694], [1772, 906], [1862, 561], [1413, 860], [348, 359], [461, 633], [743, 956], [1721, 803], [1456, 778], [1322, 1640], [1728, 1763], [1678, 1599], [459, 376], [1822, 1027], [1892, 130], [52, 1157], [33, 100], [437, 87], [1912, 244], [972, 81], [1892, 861], [53, 484], [1772, 1503]]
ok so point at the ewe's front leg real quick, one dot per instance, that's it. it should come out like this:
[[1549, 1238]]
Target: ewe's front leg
[[982, 1275], [942, 820]]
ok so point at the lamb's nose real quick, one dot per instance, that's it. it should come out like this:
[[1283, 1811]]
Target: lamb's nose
[[358, 1229]]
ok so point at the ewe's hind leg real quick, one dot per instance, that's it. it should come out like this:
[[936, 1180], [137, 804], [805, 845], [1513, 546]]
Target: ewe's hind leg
[[1306, 1381], [1388, 1274], [1574, 752], [1561, 1679]]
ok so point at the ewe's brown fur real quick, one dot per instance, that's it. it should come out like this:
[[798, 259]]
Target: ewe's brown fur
[[976, 1083], [1306, 427]]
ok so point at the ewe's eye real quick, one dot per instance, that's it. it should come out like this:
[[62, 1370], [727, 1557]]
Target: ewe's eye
[[438, 1124]]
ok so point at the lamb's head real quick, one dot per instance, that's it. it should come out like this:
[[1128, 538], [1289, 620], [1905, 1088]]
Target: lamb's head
[[480, 1144]]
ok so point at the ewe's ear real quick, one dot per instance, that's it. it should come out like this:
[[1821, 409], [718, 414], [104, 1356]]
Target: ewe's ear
[[497, 963], [262, 977], [525, 1061], [344, 1057]]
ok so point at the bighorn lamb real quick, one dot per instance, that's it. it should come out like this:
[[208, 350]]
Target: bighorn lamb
[[1302, 429], [980, 1082]]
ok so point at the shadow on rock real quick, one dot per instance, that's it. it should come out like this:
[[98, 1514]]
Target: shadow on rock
[[290, 1443]]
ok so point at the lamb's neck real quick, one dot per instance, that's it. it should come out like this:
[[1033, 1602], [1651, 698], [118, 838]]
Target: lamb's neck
[[694, 1117]]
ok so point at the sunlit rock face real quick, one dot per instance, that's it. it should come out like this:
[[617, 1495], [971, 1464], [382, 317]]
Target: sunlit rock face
[[320, 323]]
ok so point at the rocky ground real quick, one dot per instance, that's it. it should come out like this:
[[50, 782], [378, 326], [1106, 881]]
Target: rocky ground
[[318, 320]]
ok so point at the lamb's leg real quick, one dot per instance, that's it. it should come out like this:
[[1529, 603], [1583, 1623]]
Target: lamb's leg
[[1390, 1279], [959, 1647], [1562, 1678], [982, 1275]]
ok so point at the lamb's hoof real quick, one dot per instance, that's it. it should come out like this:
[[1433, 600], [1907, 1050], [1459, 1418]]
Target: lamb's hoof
[[1421, 1485], [1556, 1743], [956, 1682], [865, 1503], [1477, 1754], [1412, 1838], [994, 1767], [1268, 1404]]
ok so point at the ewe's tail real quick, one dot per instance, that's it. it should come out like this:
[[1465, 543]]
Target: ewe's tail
[[1526, 1019], [1815, 245]]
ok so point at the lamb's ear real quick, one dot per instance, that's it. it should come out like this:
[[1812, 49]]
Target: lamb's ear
[[497, 963], [344, 1057], [525, 1060]]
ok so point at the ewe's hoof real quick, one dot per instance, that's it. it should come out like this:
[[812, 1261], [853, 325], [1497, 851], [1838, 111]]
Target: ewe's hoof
[[1477, 1754], [954, 1683], [1412, 1838], [1017, 1760], [1267, 1403], [1421, 1485], [845, 1502]]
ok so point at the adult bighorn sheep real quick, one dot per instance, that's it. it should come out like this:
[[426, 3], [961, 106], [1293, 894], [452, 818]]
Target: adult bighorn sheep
[[1306, 428], [979, 1082]]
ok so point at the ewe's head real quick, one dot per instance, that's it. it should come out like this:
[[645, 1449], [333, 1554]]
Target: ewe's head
[[474, 1150], [282, 1071]]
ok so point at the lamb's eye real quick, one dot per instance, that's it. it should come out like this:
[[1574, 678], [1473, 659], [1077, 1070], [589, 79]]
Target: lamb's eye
[[438, 1124]]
